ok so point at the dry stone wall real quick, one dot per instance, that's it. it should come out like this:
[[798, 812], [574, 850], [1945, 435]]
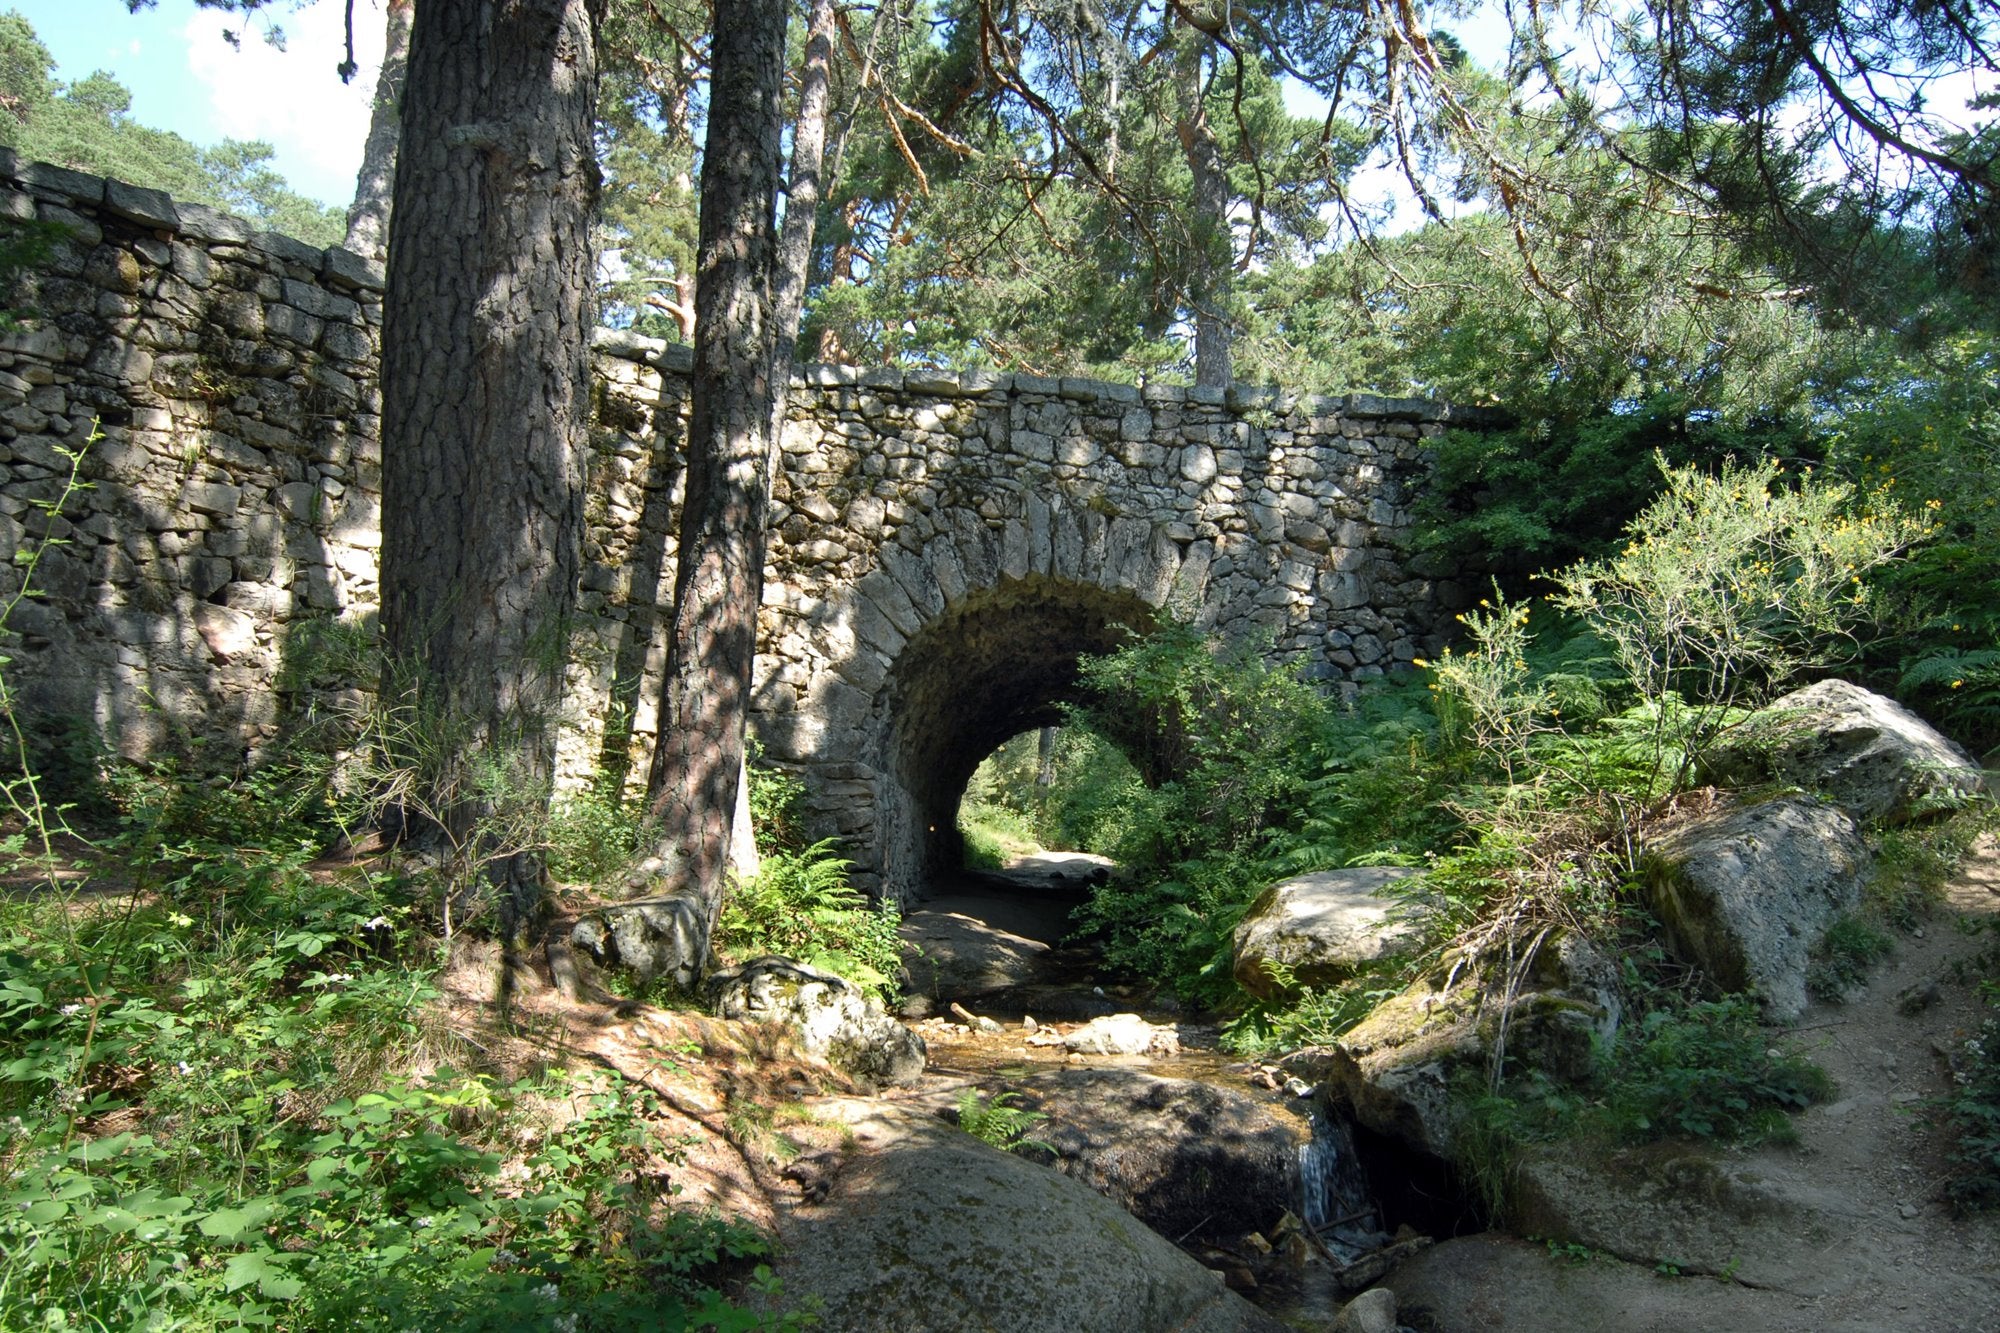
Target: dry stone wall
[[944, 546]]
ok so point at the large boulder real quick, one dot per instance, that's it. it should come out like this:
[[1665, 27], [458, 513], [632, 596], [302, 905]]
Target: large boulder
[[665, 936], [928, 1230], [1869, 755], [1746, 892], [953, 955], [1394, 1071], [1318, 929], [1183, 1157], [833, 1018]]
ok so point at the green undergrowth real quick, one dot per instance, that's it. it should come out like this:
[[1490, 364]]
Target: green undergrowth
[[1703, 1070], [233, 1100], [232, 1096], [1969, 1111], [998, 1121], [801, 905]]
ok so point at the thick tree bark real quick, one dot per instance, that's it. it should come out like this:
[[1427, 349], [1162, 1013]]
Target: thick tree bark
[[794, 259], [719, 576], [1209, 280], [485, 338], [368, 216]]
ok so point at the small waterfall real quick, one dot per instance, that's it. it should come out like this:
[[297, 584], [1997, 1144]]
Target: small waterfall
[[1336, 1201]]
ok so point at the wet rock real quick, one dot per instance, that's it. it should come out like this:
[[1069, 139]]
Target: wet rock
[[1869, 755], [1317, 929], [1122, 1034], [1181, 1156], [833, 1018], [927, 1230], [1393, 1072], [1747, 892], [1372, 1311]]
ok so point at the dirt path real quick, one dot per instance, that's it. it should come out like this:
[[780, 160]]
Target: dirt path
[[1846, 1232]]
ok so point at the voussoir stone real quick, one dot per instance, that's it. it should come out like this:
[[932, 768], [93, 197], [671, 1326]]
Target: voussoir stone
[[1868, 754], [1318, 929], [1746, 893]]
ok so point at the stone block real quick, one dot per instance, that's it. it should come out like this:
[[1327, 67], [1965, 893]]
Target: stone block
[[347, 269], [46, 179], [148, 208]]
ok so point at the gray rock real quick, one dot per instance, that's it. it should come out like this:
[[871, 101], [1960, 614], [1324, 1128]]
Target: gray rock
[[1122, 1034], [1319, 928], [1393, 1072], [951, 954], [652, 938], [1371, 1312], [927, 1230], [1181, 1156], [1870, 755], [1746, 893], [834, 1019]]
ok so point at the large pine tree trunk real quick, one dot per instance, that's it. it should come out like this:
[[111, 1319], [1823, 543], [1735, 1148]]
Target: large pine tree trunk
[[368, 216], [484, 396], [719, 576], [1209, 281]]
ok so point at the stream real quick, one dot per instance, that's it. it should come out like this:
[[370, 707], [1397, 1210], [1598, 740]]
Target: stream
[[995, 991]]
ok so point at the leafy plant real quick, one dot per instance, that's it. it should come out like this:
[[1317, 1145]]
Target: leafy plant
[[801, 905], [1730, 585], [1848, 949], [999, 1121]]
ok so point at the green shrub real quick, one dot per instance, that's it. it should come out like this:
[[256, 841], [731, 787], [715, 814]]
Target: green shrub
[[1848, 949], [1708, 1070], [592, 835], [1731, 585], [998, 1121], [1970, 1112], [801, 905]]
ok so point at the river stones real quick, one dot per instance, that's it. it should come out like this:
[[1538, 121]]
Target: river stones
[[928, 1230], [1184, 1157], [834, 1019], [1122, 1034], [1315, 930]]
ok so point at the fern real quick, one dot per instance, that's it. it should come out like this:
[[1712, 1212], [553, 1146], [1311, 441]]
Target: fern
[[800, 904], [998, 1121]]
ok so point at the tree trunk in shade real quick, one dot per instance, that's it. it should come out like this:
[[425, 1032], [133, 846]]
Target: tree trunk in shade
[[486, 331], [368, 216], [719, 574]]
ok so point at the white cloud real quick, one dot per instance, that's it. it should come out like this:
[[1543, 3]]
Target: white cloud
[[293, 97]]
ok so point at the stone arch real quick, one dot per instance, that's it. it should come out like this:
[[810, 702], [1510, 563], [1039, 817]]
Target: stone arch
[[949, 647]]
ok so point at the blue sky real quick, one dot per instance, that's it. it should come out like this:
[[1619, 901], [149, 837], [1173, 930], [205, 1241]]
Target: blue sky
[[185, 77]]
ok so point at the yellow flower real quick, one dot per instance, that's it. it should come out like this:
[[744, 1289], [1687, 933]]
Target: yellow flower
[[1955, 684]]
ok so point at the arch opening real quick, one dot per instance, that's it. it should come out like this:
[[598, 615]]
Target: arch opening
[[1059, 790], [998, 663]]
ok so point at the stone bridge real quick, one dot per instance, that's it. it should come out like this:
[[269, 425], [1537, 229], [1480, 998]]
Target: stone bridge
[[945, 547]]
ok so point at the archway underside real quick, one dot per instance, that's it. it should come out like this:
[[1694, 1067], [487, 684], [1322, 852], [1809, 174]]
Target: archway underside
[[999, 663]]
